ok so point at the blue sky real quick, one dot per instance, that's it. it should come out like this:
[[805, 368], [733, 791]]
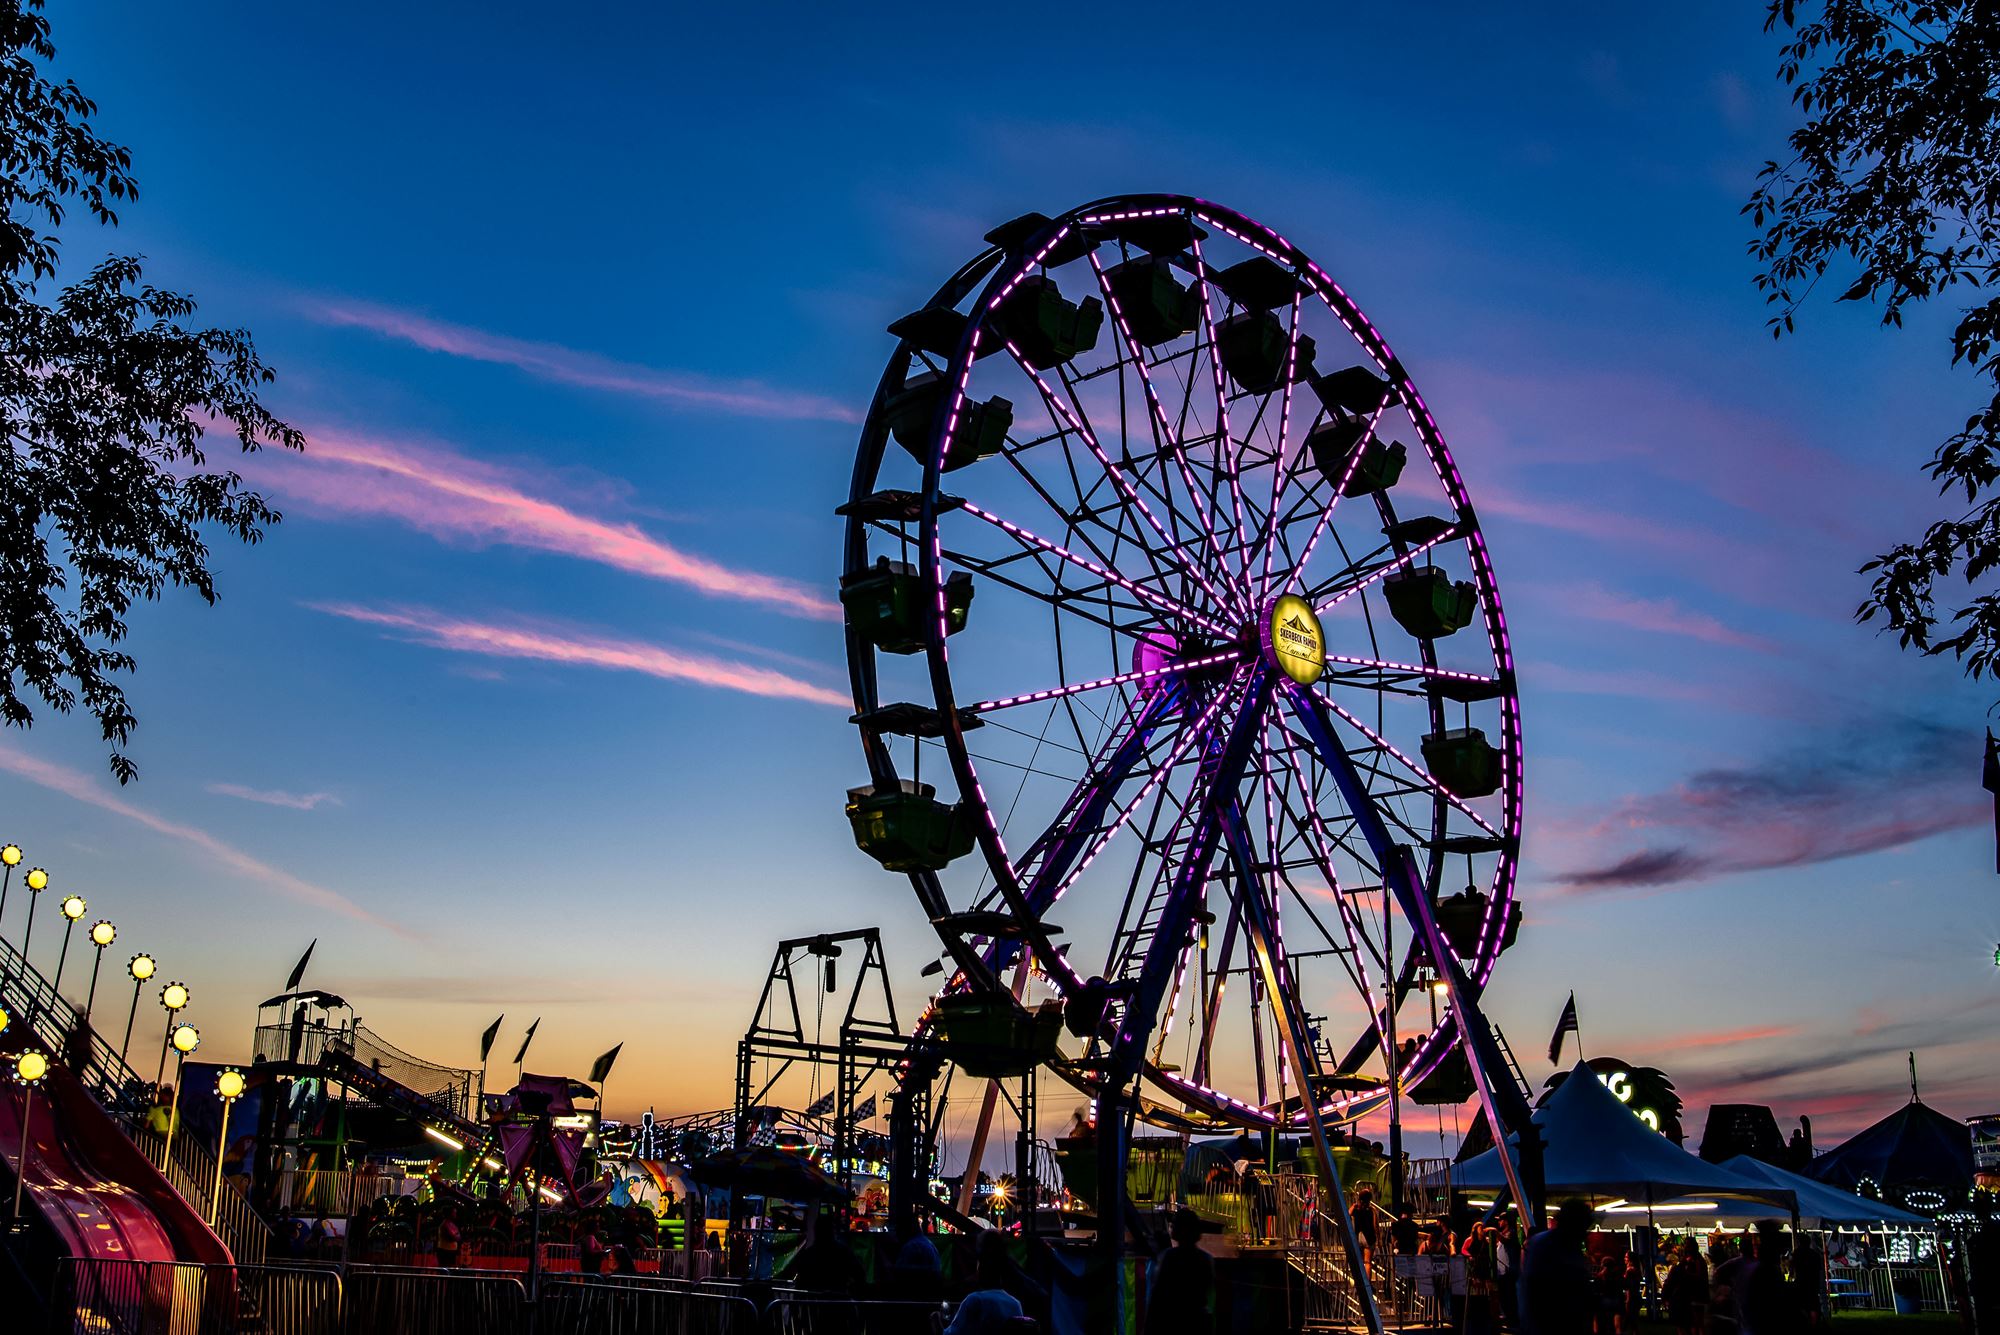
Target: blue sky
[[578, 312]]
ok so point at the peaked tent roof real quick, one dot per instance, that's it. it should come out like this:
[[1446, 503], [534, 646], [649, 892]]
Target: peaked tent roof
[[1820, 1203], [1913, 1146], [1596, 1146]]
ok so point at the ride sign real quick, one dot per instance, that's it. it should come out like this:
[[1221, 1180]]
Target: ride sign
[[1294, 640]]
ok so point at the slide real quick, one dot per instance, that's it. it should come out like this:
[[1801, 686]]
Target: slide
[[96, 1192]]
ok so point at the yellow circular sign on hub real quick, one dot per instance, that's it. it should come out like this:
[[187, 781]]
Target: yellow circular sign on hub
[[1294, 640]]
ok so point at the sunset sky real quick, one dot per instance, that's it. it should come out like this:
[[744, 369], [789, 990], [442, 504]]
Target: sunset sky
[[535, 701]]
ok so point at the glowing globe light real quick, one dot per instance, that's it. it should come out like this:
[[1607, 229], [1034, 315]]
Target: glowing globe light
[[174, 996], [30, 1067], [143, 966], [186, 1039], [229, 1085], [5, 1019], [73, 907], [102, 933], [11, 855], [38, 880]]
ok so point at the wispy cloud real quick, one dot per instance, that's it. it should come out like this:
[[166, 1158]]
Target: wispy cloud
[[1662, 616], [1723, 1038], [587, 370], [1848, 792], [71, 783], [452, 497], [275, 797], [551, 644]]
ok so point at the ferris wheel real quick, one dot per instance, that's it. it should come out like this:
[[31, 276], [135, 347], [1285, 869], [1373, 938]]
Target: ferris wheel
[[1180, 671]]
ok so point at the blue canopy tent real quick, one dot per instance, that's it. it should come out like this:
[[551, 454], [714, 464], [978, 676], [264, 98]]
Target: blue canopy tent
[[1820, 1206], [1915, 1155], [1598, 1149]]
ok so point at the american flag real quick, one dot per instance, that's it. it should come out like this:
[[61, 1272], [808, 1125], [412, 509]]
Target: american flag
[[1565, 1025]]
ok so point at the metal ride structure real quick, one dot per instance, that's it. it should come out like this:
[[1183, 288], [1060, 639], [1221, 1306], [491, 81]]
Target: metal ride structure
[[1208, 663]]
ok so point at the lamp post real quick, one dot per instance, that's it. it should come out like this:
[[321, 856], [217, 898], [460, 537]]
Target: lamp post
[[102, 934], [10, 858], [142, 967], [173, 997], [184, 1039], [37, 881], [228, 1088], [72, 907], [29, 1068]]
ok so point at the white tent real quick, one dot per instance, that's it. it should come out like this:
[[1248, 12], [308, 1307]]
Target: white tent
[[1820, 1206], [1596, 1147]]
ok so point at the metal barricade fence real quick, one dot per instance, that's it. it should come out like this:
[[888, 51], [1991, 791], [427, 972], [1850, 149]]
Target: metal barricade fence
[[626, 1306], [434, 1302], [1877, 1287], [113, 1297], [853, 1316]]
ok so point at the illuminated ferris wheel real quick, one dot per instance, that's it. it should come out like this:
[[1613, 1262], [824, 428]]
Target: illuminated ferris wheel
[[1180, 670]]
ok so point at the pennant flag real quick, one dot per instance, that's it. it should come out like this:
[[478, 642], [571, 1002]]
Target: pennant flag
[[1990, 781], [486, 1039], [526, 1039], [299, 969], [821, 1106], [1565, 1025], [865, 1110], [600, 1070]]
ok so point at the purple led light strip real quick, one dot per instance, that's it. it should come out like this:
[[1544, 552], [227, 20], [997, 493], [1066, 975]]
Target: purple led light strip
[[1443, 674], [1115, 473], [1056, 549], [1144, 674], [1169, 438], [1280, 470], [1430, 781], [1326, 515], [1387, 570], [1228, 437], [1199, 728]]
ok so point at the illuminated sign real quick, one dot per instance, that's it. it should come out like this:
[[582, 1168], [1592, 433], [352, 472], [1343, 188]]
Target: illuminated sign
[[1294, 640], [1620, 1085]]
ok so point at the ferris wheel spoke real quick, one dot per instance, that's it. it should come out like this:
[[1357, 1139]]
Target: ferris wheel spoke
[[1376, 673], [1355, 579], [1224, 443], [1166, 439], [1101, 838], [1170, 670], [1319, 528], [1424, 777], [1279, 468], [1074, 415], [1033, 540]]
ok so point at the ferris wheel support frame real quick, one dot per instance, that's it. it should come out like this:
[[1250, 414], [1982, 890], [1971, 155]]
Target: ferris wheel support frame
[[1505, 1104]]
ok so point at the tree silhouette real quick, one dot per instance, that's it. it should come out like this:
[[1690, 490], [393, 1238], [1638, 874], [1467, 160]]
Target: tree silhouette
[[108, 395], [1896, 176]]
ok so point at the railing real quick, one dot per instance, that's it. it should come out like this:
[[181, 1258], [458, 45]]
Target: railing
[[109, 1297], [437, 1302], [623, 1306], [273, 1042], [337, 1193], [30, 999], [852, 1316], [192, 1174], [1876, 1288]]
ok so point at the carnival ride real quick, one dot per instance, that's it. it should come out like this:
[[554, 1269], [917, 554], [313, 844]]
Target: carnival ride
[[1216, 668]]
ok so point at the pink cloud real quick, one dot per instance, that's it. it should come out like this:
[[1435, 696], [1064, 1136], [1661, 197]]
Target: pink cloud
[[588, 370], [452, 497], [274, 797], [1662, 616], [552, 645], [1725, 1038], [70, 783]]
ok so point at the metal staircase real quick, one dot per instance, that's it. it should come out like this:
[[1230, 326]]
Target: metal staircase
[[63, 1031]]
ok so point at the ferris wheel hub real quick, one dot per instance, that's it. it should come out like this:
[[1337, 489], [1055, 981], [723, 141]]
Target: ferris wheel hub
[[1293, 641]]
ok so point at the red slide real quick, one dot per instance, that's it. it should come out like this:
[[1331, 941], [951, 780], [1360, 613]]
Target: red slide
[[93, 1187]]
